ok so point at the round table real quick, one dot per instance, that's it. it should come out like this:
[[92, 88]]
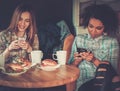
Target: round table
[[37, 78]]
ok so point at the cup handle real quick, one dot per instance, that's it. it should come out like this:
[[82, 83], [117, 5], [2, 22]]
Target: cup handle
[[53, 56], [2, 68]]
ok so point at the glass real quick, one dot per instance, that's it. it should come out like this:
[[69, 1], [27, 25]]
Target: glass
[[20, 40]]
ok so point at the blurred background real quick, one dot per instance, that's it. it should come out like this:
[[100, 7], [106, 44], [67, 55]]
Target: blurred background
[[53, 11], [79, 5], [46, 11]]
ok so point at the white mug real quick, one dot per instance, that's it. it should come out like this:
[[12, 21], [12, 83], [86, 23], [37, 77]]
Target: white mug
[[60, 57], [36, 56], [2, 61]]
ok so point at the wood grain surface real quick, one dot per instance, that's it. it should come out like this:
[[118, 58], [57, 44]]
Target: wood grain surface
[[37, 78]]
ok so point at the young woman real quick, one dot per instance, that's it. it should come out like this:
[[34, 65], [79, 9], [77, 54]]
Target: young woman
[[20, 38], [98, 45]]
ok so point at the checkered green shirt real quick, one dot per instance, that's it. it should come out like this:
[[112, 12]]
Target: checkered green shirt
[[6, 37], [103, 47]]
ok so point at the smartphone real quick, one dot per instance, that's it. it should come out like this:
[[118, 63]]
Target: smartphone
[[81, 50]]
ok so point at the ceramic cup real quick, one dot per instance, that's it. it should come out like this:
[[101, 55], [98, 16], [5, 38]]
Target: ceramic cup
[[2, 61], [60, 56], [36, 56]]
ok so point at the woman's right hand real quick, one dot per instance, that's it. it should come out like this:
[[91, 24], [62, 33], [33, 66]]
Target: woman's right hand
[[13, 45], [77, 59]]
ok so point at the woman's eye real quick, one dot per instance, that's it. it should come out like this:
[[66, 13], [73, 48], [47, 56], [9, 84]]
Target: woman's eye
[[99, 28], [27, 20], [91, 26]]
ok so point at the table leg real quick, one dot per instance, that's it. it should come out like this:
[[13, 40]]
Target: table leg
[[71, 86]]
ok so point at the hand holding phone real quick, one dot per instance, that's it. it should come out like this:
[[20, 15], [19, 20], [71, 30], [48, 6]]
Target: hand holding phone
[[79, 50]]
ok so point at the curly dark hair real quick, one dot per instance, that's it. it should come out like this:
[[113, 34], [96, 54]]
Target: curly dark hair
[[105, 14]]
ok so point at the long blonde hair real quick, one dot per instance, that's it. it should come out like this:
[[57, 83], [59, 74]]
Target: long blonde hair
[[32, 29]]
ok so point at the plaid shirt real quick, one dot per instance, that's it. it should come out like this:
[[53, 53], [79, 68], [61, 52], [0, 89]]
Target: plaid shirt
[[103, 47], [6, 37]]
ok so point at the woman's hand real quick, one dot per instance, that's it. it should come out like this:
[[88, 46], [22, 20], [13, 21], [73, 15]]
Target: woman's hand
[[14, 45], [77, 59], [88, 56], [25, 45]]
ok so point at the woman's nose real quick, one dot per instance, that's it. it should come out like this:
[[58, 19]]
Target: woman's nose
[[94, 30], [22, 23]]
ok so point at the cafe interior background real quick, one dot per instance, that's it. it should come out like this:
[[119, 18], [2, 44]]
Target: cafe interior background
[[53, 11]]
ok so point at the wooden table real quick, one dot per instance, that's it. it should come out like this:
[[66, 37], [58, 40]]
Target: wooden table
[[37, 78]]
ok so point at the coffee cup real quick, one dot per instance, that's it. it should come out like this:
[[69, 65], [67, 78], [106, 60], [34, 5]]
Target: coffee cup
[[36, 56], [2, 61], [60, 56]]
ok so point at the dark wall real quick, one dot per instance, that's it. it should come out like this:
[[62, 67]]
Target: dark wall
[[46, 11]]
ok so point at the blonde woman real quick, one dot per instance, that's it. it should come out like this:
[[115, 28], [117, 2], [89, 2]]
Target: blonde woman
[[20, 38]]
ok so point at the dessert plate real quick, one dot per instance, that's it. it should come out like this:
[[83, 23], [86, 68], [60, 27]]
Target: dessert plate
[[49, 68], [14, 74]]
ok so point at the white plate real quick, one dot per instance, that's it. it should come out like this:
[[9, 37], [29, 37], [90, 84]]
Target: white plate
[[49, 68], [14, 74]]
